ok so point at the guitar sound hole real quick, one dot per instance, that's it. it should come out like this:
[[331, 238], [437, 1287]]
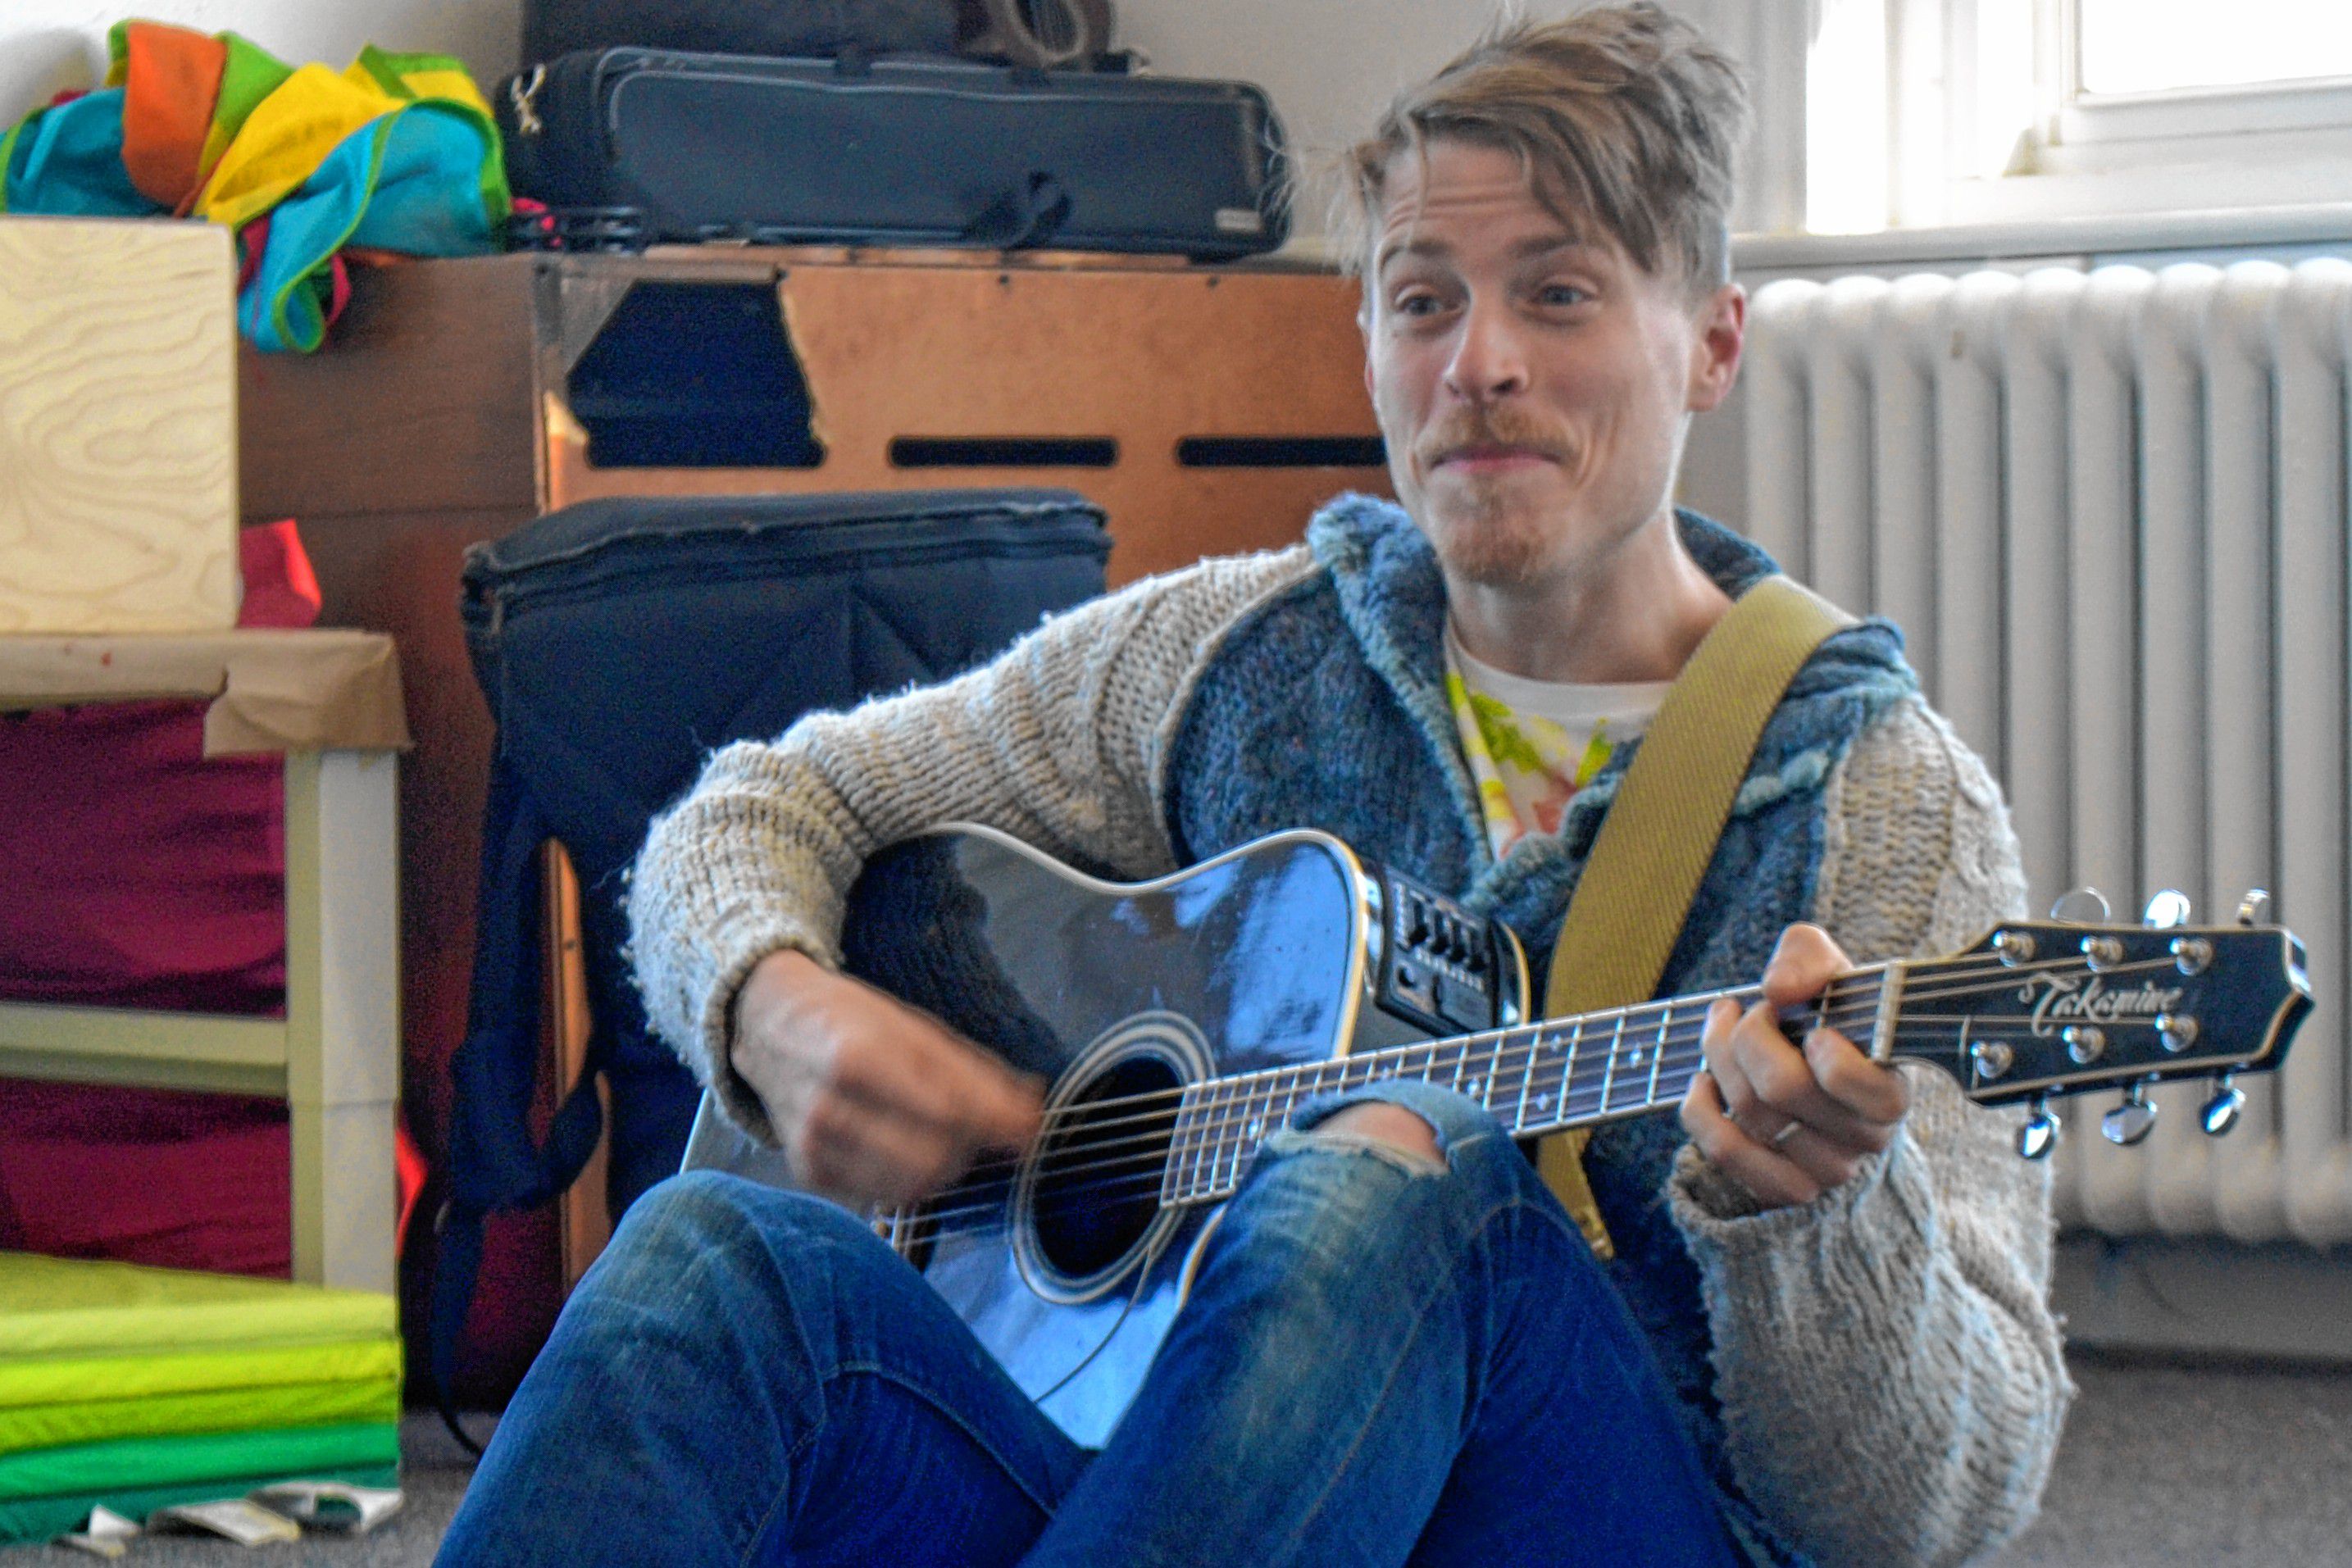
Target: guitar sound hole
[[1097, 1172]]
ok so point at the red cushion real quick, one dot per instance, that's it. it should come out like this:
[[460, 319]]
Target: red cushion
[[143, 876]]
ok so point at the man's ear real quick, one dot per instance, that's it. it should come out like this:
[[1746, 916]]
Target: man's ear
[[1722, 333]]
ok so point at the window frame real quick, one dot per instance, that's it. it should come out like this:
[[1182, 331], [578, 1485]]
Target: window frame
[[2082, 154]]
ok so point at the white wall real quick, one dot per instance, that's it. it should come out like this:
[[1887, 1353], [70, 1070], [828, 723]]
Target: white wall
[[48, 45]]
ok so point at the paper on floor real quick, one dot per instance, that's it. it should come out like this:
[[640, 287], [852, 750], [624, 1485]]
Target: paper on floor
[[331, 1505], [246, 1523], [108, 1535]]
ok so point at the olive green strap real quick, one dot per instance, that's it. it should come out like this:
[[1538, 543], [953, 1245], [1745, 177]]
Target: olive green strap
[[1660, 830]]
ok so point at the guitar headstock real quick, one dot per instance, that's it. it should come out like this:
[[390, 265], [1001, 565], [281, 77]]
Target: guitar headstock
[[2036, 1009]]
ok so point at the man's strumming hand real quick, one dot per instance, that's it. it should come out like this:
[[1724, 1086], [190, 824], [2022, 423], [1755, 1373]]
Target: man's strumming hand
[[1789, 1122], [873, 1101]]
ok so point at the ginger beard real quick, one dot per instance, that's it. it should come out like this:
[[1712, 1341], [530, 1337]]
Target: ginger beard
[[1550, 513], [1486, 525]]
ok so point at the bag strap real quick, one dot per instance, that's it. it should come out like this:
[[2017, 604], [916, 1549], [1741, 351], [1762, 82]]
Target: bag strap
[[1661, 832]]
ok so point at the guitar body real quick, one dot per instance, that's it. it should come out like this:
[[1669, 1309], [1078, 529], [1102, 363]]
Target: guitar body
[[1258, 959]]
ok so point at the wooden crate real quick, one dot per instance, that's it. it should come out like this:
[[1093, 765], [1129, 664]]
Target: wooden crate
[[1207, 410], [118, 427]]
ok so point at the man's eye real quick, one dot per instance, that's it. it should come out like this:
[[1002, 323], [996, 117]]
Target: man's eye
[[1560, 296], [1418, 303]]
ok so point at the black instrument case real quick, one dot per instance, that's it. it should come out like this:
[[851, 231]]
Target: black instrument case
[[900, 151]]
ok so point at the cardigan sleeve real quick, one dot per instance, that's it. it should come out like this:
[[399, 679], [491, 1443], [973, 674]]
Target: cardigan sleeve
[[1055, 742], [1892, 1378]]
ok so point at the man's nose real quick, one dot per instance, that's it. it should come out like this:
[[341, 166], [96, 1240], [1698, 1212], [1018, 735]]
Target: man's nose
[[1489, 360]]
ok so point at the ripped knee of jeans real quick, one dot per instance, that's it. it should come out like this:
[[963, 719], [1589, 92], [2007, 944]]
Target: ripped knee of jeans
[[1413, 1161]]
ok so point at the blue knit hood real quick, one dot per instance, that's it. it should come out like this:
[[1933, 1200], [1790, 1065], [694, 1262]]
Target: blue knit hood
[[1391, 596]]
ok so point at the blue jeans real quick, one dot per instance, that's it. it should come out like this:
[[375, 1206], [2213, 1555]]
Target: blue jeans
[[1380, 1362]]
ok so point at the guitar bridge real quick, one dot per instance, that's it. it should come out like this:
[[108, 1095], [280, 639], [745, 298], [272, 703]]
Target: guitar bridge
[[1442, 969]]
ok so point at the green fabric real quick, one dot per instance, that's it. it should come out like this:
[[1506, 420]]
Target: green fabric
[[212, 1410], [64, 1379], [8, 158], [54, 1306], [133, 1462], [252, 74], [45, 1518]]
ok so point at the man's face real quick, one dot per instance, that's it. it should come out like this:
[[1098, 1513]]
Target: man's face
[[1532, 384]]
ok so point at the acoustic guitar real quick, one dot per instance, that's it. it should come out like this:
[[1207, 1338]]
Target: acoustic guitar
[[1180, 1021]]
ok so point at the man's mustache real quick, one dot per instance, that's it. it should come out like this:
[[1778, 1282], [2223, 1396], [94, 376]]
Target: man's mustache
[[1488, 428]]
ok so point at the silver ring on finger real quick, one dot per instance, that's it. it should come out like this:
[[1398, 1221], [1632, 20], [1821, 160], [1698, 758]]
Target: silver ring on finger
[[1785, 1133]]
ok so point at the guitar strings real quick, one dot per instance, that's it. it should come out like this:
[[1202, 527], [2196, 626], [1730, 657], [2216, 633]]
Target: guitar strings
[[1516, 1057], [1220, 1165], [1859, 1009], [1146, 1171], [1149, 1163]]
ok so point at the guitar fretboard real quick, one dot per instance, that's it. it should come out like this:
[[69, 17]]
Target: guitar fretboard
[[1534, 1079]]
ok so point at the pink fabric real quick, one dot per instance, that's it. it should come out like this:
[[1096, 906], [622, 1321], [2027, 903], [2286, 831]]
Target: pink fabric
[[142, 875]]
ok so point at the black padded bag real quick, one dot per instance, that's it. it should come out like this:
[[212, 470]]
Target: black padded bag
[[899, 153], [619, 642], [554, 27]]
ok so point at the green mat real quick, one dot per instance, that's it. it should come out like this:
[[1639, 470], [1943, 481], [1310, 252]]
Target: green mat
[[65, 1306], [130, 1463], [47, 1518], [217, 1410], [69, 1380]]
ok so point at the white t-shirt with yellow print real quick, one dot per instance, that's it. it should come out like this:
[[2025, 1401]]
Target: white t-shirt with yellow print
[[1532, 744]]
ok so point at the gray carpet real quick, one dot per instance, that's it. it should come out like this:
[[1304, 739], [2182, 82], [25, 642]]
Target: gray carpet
[[2214, 1466]]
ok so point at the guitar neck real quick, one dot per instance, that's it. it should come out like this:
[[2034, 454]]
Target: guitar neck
[[1538, 1078]]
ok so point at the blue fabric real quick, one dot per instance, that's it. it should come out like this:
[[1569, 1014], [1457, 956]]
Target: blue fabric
[[67, 162], [1378, 1365], [408, 181], [1364, 639]]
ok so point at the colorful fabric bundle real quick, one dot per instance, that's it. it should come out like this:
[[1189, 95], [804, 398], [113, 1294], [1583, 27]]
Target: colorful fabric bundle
[[138, 1388], [398, 154]]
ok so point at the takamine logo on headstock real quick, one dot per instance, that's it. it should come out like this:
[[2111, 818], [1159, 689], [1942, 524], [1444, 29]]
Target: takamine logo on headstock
[[2037, 1010]]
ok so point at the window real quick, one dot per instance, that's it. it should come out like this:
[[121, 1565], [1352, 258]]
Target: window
[[1938, 112], [2128, 46]]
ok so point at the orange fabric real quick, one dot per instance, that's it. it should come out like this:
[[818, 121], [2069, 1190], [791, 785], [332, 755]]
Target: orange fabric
[[171, 80]]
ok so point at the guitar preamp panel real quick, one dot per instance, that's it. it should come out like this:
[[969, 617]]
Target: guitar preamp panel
[[1442, 968]]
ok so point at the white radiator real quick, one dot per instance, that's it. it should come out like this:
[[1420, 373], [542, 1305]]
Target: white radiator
[[2109, 511]]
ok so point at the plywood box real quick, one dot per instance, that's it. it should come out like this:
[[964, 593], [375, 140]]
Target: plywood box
[[117, 427]]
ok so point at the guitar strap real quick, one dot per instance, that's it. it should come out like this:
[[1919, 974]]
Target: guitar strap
[[1660, 830]]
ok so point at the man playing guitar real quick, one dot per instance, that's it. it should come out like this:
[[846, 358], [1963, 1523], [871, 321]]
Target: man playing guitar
[[1820, 1332]]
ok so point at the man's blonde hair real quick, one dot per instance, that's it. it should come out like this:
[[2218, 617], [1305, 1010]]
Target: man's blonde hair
[[1624, 116]]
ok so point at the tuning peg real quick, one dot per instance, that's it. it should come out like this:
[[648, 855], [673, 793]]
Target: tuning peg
[[2083, 906], [2039, 1135], [2220, 1114], [2254, 909], [2166, 909], [2133, 1120]]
